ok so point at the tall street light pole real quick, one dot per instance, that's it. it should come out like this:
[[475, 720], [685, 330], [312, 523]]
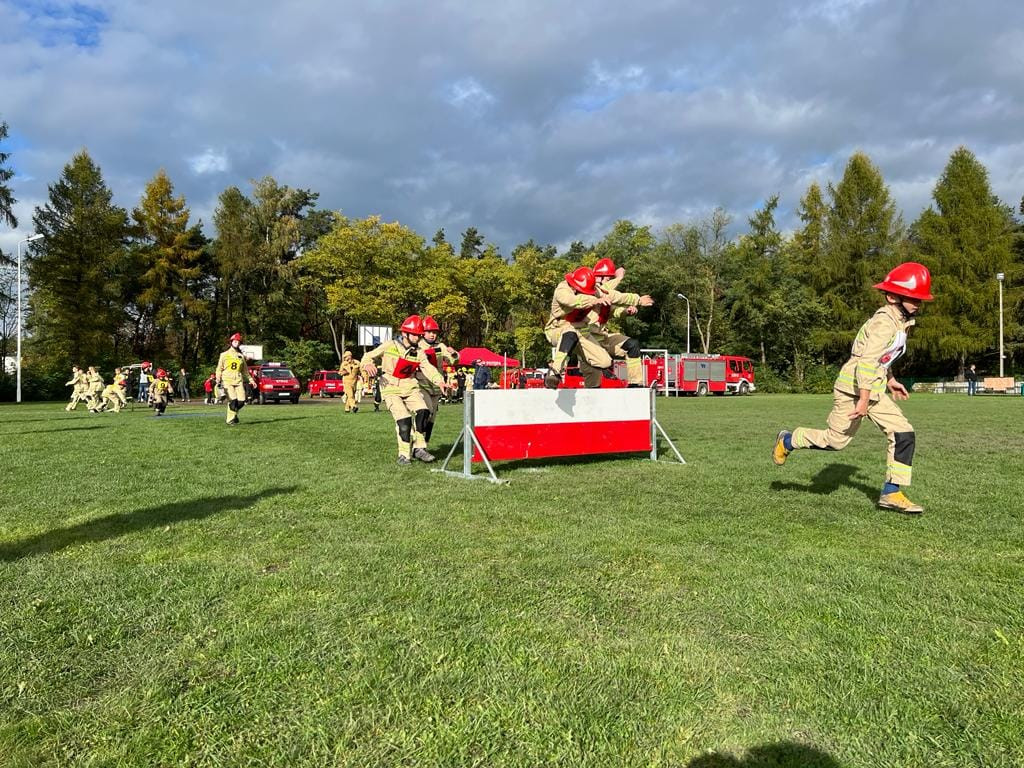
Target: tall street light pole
[[1000, 277], [28, 239], [680, 296]]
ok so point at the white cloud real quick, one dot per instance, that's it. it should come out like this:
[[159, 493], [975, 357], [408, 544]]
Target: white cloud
[[209, 161]]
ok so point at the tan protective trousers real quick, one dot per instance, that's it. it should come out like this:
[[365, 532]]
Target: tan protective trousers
[[351, 403], [234, 392], [404, 406], [592, 355], [885, 415], [612, 344]]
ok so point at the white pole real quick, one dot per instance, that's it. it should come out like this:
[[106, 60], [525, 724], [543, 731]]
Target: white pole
[[1000, 277], [28, 239], [679, 295]]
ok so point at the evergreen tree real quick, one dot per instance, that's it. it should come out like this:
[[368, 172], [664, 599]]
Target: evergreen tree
[[234, 252], [7, 200], [168, 251], [863, 241], [472, 244], [756, 294], [965, 239], [77, 306]]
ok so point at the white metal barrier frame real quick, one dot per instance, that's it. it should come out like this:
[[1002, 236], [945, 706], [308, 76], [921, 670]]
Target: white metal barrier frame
[[468, 440]]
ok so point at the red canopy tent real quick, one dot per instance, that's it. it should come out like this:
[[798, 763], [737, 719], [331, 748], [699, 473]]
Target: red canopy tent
[[470, 355]]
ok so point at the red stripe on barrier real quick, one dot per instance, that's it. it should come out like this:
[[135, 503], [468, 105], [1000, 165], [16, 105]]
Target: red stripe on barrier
[[535, 441]]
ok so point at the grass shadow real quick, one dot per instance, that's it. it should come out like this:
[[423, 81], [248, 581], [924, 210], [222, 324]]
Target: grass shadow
[[782, 754], [49, 431], [252, 422], [122, 523], [829, 480]]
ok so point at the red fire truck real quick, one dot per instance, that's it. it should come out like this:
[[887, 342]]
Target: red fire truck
[[695, 374]]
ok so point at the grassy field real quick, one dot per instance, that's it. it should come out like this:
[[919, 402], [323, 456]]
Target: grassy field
[[176, 592]]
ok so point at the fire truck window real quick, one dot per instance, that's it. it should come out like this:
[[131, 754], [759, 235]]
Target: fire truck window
[[734, 366]]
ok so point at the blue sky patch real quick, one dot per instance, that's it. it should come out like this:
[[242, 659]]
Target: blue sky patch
[[56, 23]]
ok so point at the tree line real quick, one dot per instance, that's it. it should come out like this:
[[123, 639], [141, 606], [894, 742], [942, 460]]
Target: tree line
[[110, 286]]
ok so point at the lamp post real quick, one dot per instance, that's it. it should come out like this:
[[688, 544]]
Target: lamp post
[[680, 296], [28, 239], [999, 278]]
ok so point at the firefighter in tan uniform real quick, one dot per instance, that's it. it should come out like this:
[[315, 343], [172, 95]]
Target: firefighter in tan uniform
[[78, 387], [232, 375], [568, 327], [401, 360], [159, 390], [441, 357], [94, 391], [860, 388], [617, 345], [350, 378], [113, 393]]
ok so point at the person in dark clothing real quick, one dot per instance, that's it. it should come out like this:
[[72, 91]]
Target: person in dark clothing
[[481, 376], [182, 387], [972, 380]]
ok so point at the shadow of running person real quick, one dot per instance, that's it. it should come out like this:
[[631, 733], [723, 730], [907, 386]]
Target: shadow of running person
[[829, 480], [782, 754], [121, 523]]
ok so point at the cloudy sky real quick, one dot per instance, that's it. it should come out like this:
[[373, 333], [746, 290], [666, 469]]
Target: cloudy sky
[[524, 119]]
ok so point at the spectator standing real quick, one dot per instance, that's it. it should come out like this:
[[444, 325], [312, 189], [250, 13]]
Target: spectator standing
[[481, 376], [208, 388], [182, 387], [144, 381], [972, 380]]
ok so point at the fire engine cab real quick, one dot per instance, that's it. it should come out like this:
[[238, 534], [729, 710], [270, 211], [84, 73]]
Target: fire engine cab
[[695, 374]]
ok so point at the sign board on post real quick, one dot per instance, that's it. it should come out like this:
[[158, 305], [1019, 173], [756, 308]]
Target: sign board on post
[[251, 351], [504, 425], [373, 335]]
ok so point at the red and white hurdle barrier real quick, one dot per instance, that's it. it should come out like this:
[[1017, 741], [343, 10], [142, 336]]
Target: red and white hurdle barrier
[[515, 424]]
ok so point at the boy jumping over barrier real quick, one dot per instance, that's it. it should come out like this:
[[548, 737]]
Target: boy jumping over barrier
[[860, 388]]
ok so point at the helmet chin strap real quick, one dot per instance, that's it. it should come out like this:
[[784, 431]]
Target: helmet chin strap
[[903, 310]]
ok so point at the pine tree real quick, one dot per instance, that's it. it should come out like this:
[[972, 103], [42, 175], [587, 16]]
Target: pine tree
[[965, 240], [472, 244], [77, 306], [864, 239], [168, 250], [7, 200]]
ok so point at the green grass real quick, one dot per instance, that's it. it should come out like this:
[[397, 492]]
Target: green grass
[[175, 592]]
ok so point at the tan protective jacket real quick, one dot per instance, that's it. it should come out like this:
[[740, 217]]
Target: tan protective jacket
[[438, 354], [880, 341], [231, 368], [400, 367], [569, 308], [349, 371]]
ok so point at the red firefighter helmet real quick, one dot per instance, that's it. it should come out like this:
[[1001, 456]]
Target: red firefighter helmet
[[604, 268], [909, 279], [146, 364], [582, 280], [412, 324], [236, 337], [430, 324], [160, 373]]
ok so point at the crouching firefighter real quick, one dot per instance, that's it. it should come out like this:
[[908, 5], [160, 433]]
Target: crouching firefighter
[[860, 388], [232, 376], [441, 356], [617, 345], [568, 329], [401, 360]]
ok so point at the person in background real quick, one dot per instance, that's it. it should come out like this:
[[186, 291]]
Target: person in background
[[972, 380], [144, 376], [160, 387], [481, 376], [208, 389], [182, 387], [95, 392], [79, 385], [349, 371]]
